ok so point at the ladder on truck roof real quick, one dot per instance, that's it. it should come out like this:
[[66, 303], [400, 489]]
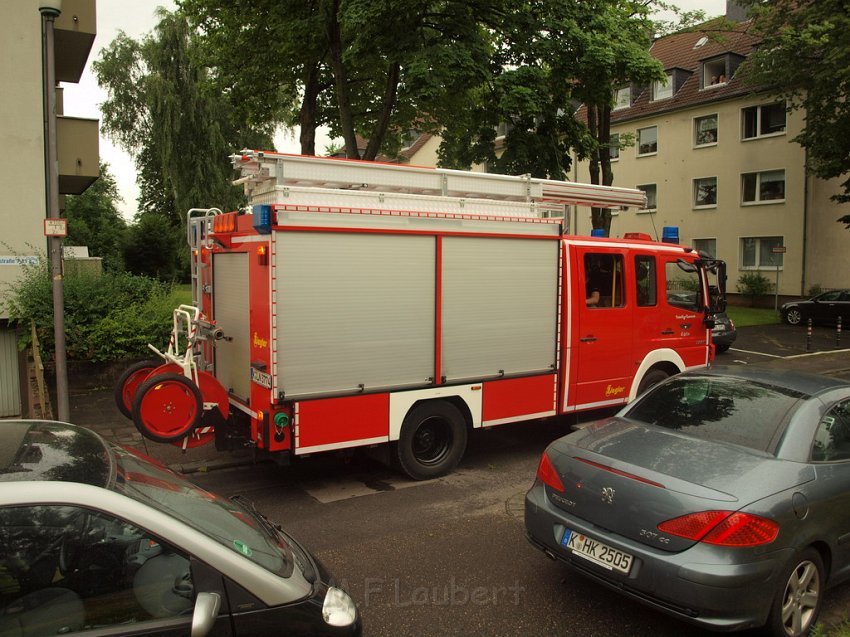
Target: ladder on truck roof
[[283, 170]]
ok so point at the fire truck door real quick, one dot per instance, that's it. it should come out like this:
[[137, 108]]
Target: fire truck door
[[603, 338], [230, 312], [680, 323]]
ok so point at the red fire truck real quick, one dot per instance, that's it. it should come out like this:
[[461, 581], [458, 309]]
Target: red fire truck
[[361, 304]]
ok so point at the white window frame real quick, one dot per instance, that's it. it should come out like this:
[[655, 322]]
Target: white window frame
[[622, 98], [696, 121], [758, 201], [759, 135], [713, 253], [610, 147], [648, 210], [709, 67], [758, 265], [699, 206], [650, 153], [663, 89]]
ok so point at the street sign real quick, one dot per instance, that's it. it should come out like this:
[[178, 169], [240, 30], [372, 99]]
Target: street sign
[[55, 227]]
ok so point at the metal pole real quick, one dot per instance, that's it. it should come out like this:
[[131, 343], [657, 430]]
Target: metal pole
[[838, 332], [49, 13], [776, 295], [809, 337]]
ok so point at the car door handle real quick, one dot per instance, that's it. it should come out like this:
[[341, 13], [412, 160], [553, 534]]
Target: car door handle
[[667, 332], [588, 339]]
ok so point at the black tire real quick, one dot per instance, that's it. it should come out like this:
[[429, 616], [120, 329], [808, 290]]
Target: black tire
[[432, 440], [167, 407], [123, 399], [793, 316], [719, 349], [651, 379], [798, 598]]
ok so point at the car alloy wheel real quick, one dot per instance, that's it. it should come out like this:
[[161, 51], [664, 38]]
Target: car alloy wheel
[[793, 316], [798, 601]]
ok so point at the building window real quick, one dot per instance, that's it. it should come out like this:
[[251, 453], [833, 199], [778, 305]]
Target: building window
[[705, 130], [764, 186], [714, 73], [705, 192], [757, 252], [650, 190], [706, 246], [760, 121], [623, 98], [663, 89], [614, 147], [647, 141]]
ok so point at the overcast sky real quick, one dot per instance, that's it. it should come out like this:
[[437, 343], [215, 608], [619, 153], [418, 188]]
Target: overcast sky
[[138, 18]]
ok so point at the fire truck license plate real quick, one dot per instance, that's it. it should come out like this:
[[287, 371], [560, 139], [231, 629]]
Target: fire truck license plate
[[596, 552]]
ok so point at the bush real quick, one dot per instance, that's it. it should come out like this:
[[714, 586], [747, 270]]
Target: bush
[[753, 285], [107, 317], [815, 289]]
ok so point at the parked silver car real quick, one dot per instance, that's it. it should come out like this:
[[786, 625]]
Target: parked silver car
[[98, 537], [721, 497]]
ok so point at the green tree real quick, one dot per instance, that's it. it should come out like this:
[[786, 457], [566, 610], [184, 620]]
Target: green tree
[[94, 220], [164, 109], [804, 57], [155, 248], [374, 68], [548, 58]]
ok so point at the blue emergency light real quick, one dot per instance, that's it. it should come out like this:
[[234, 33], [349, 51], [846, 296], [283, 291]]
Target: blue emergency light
[[262, 218]]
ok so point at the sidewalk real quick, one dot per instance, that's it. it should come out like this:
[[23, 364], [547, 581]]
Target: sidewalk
[[93, 405]]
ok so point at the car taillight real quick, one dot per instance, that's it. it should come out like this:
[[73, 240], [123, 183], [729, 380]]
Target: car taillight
[[546, 472], [723, 528]]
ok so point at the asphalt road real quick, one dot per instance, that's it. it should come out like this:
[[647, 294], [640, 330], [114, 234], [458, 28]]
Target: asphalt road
[[448, 557]]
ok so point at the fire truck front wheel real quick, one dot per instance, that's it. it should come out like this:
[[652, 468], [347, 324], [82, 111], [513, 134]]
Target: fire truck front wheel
[[651, 379], [432, 440], [167, 407]]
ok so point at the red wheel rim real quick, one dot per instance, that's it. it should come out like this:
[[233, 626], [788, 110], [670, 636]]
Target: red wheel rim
[[168, 408], [128, 391]]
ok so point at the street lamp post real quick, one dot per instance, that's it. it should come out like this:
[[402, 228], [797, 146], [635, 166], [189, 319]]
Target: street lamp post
[[50, 10]]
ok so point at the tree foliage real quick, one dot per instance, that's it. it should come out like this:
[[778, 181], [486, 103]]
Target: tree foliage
[[165, 110], [805, 58], [373, 68], [156, 248], [94, 221]]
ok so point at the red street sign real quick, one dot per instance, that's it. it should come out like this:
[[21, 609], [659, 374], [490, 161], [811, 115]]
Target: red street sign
[[778, 249]]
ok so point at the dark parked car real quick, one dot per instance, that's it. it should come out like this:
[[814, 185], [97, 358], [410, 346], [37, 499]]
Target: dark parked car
[[98, 537], [823, 308], [724, 332], [721, 497]]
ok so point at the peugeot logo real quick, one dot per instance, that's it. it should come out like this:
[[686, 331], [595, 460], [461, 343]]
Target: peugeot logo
[[608, 495]]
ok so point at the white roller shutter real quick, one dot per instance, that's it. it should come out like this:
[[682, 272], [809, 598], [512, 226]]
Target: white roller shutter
[[355, 312], [231, 314], [499, 306]]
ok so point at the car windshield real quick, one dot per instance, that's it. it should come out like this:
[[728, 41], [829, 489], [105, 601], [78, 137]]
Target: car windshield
[[731, 410], [229, 523]]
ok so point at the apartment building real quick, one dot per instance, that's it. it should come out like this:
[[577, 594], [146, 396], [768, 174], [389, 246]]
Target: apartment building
[[23, 202], [717, 161]]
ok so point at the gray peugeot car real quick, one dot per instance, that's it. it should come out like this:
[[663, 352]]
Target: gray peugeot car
[[721, 497], [96, 537]]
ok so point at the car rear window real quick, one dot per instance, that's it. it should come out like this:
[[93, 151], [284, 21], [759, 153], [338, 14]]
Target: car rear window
[[731, 410]]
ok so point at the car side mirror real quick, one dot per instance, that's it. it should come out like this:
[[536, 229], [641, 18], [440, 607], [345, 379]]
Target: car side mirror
[[205, 614], [709, 321]]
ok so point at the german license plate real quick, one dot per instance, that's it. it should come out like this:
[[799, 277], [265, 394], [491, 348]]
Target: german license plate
[[596, 552]]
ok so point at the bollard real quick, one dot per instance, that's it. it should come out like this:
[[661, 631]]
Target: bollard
[[838, 332], [809, 337]]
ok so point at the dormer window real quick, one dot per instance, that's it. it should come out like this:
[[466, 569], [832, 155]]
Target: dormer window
[[714, 73], [663, 89], [623, 98]]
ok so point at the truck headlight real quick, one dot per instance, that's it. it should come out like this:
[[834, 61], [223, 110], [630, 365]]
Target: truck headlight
[[339, 608]]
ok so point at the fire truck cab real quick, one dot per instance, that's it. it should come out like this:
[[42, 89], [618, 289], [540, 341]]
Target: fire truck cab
[[361, 304]]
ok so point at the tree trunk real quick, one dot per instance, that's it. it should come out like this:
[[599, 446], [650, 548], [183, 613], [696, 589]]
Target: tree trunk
[[388, 104], [343, 97], [599, 124], [307, 115]]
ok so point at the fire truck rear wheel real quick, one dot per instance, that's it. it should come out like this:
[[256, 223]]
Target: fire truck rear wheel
[[167, 407], [129, 382], [651, 379], [432, 440]]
